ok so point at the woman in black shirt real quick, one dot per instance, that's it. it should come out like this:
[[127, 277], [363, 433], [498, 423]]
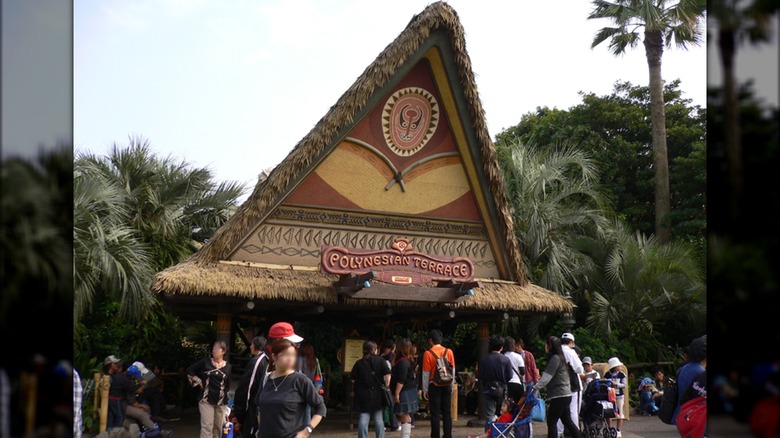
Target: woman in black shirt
[[285, 395], [212, 376], [403, 384], [369, 374]]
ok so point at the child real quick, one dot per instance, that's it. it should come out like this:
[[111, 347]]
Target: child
[[647, 406], [619, 383], [506, 417], [590, 373]]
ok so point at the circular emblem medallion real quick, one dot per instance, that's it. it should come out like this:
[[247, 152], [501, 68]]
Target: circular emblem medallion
[[409, 120]]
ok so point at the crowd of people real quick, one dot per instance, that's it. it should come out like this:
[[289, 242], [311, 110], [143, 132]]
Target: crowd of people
[[279, 393]]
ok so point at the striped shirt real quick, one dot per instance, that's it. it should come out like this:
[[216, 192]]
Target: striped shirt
[[78, 392]]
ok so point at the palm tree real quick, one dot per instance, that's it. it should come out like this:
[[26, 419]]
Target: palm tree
[[109, 255], [173, 205], [137, 213], [34, 237], [737, 22], [662, 23], [636, 286], [554, 198]]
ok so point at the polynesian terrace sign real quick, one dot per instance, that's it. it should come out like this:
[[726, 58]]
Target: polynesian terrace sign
[[398, 265]]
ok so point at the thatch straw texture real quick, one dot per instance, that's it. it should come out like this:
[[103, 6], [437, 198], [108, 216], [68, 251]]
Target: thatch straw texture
[[436, 16], [220, 279]]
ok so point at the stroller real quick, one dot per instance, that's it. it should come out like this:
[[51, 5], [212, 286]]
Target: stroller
[[520, 426], [598, 405]]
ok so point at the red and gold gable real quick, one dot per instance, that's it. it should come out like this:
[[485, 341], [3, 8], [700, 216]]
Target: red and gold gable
[[401, 158]]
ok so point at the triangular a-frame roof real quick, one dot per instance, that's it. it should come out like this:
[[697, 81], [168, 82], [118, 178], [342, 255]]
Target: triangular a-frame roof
[[432, 46]]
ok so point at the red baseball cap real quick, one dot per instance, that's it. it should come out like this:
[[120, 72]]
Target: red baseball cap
[[284, 330]]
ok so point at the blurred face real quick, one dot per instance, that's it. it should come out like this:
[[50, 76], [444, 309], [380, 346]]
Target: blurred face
[[217, 352], [504, 407], [588, 367], [285, 360], [659, 376]]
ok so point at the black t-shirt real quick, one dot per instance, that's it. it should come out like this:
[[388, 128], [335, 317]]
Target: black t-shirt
[[368, 395], [282, 405], [403, 372]]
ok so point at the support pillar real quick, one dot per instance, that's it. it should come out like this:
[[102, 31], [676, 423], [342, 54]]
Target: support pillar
[[483, 338], [224, 326]]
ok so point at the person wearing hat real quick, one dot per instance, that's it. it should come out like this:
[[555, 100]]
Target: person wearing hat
[[117, 392], [134, 409], [619, 379], [590, 374], [280, 330], [693, 368], [576, 373], [647, 396]]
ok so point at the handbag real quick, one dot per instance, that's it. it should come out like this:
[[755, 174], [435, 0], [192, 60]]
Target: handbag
[[387, 398], [539, 411], [318, 380]]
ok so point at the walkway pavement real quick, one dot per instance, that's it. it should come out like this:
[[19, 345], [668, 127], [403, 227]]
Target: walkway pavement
[[336, 426]]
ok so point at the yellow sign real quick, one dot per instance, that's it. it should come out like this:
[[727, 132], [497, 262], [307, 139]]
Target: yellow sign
[[353, 352]]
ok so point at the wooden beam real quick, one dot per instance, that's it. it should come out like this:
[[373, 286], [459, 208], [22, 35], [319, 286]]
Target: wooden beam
[[402, 293], [271, 266]]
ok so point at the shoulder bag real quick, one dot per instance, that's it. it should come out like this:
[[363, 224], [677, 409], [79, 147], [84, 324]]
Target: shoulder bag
[[387, 398]]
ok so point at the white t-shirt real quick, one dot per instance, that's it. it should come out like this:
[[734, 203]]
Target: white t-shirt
[[517, 362], [572, 359]]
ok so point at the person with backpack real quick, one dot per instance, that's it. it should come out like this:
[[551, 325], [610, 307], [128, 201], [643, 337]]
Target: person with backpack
[[438, 375], [244, 401], [556, 379], [690, 414], [576, 373], [495, 372]]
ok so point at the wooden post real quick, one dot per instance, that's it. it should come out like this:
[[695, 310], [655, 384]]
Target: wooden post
[[29, 391], [96, 399], [105, 384], [224, 326], [454, 402]]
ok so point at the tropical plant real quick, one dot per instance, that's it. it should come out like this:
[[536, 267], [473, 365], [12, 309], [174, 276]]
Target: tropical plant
[[171, 203], [642, 290], [36, 264], [554, 197], [662, 22], [109, 255]]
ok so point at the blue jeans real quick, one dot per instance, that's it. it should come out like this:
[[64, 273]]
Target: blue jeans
[[379, 423]]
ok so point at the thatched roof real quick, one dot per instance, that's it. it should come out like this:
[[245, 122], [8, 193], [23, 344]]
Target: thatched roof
[[436, 16], [247, 282], [203, 274]]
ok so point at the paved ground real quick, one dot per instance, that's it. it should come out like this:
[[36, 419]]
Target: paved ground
[[336, 426]]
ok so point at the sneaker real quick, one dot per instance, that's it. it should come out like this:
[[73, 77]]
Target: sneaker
[[619, 434]]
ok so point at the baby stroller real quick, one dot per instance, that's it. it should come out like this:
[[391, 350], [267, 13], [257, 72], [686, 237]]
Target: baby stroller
[[520, 426], [598, 405]]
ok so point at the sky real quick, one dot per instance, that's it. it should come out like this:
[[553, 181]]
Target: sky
[[234, 85]]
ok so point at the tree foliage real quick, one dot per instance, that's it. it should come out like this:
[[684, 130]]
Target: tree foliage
[[615, 131]]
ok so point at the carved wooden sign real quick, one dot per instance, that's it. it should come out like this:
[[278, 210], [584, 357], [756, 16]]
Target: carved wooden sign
[[397, 265]]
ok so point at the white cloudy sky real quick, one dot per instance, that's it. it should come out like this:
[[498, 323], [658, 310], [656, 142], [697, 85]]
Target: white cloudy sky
[[234, 85]]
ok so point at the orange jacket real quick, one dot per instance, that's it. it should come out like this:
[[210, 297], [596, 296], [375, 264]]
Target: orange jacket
[[429, 361]]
